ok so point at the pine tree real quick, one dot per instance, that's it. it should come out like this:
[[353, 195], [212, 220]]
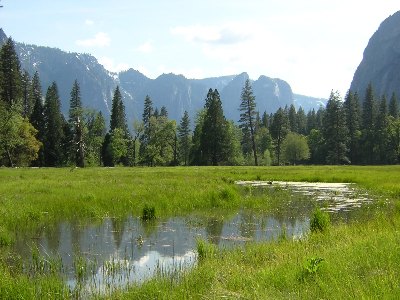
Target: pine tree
[[394, 107], [77, 126], [335, 131], [163, 112], [247, 118], [10, 75], [381, 132], [37, 116], [311, 121], [301, 120], [27, 105], [214, 132], [368, 127], [352, 111], [279, 130], [293, 119], [118, 117], [265, 120], [145, 138], [184, 138], [54, 128]]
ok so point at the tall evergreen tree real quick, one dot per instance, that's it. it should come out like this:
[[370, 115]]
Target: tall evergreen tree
[[394, 107], [27, 105], [184, 138], [118, 117], [163, 112], [148, 113], [10, 75], [37, 117], [301, 120], [279, 129], [368, 127], [265, 120], [352, 111], [77, 126], [381, 132], [335, 131], [214, 132], [293, 119], [311, 121], [248, 118], [54, 128]]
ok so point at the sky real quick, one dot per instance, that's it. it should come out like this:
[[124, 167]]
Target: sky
[[314, 45]]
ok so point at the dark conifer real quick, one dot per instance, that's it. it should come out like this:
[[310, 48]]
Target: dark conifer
[[10, 75], [54, 128], [248, 120]]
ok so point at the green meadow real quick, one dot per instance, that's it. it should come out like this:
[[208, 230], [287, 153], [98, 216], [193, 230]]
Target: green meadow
[[359, 259]]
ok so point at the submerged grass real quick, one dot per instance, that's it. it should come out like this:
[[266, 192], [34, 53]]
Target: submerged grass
[[360, 260]]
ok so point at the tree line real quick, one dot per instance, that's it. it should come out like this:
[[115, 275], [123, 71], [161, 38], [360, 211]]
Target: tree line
[[34, 132]]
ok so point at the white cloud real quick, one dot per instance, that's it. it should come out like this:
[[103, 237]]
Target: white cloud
[[224, 34], [89, 22], [101, 39], [110, 65], [147, 47]]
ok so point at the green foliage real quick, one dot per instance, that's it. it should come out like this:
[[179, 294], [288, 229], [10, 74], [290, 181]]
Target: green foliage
[[247, 120], [279, 129], [6, 239], [335, 131], [116, 148], [213, 138], [320, 221], [10, 76], [295, 148], [54, 129], [148, 213], [18, 144], [185, 141], [205, 250], [118, 118], [311, 268]]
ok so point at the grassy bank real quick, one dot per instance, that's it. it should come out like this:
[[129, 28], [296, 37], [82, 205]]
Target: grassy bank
[[359, 260]]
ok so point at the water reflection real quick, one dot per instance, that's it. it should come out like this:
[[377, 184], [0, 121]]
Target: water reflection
[[116, 252]]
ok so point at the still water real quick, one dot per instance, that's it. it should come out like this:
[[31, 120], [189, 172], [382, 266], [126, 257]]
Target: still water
[[97, 258]]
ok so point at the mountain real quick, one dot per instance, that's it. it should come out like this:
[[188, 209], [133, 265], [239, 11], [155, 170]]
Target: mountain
[[381, 60], [176, 92], [308, 103]]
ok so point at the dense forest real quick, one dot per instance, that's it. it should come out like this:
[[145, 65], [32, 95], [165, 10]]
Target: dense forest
[[34, 132]]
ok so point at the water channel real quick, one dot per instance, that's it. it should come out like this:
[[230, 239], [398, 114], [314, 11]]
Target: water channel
[[114, 253]]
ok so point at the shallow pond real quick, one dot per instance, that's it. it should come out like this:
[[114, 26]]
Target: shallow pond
[[98, 258]]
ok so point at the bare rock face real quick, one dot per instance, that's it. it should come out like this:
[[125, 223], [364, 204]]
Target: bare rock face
[[381, 61]]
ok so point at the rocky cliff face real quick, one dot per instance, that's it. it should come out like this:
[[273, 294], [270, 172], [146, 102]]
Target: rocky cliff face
[[381, 61]]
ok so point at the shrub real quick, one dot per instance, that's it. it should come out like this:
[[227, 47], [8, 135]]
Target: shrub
[[205, 249], [311, 268], [320, 221], [148, 213]]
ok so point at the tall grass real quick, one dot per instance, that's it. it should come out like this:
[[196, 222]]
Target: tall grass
[[359, 260]]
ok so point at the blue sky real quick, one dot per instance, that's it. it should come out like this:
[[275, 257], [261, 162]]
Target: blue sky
[[315, 45]]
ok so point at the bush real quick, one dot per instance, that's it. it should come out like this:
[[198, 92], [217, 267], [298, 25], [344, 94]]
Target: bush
[[148, 213], [205, 249], [320, 221]]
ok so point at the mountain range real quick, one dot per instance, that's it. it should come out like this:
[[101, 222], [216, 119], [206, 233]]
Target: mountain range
[[176, 92]]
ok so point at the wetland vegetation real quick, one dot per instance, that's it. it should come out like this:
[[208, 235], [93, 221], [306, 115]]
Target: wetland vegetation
[[355, 257]]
